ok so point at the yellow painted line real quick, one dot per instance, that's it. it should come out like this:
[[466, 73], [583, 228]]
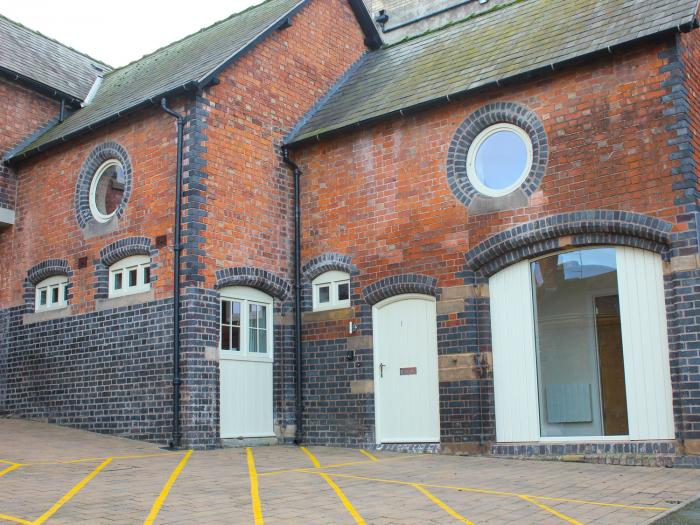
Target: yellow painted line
[[496, 492], [370, 456], [72, 492], [338, 491], [254, 489], [8, 462], [444, 506], [552, 511], [89, 460], [311, 456], [166, 489], [338, 465], [14, 519], [9, 469]]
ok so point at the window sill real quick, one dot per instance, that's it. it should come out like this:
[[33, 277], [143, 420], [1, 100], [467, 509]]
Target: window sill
[[124, 300], [46, 315]]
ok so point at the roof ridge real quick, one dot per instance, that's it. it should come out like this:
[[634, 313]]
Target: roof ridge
[[42, 35], [469, 18], [199, 31]]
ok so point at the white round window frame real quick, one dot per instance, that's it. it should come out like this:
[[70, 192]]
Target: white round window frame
[[96, 213], [478, 142]]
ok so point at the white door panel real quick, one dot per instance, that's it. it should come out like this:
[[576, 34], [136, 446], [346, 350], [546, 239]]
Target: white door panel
[[246, 398], [645, 344], [405, 370], [513, 346]]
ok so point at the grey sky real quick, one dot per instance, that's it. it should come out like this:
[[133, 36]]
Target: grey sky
[[122, 31]]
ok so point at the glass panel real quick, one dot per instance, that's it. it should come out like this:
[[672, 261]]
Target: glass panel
[[235, 338], [65, 294], [110, 189], [324, 294], [579, 348], [42, 297], [133, 277], [262, 341], [118, 281], [262, 317], [252, 340], [343, 292], [501, 159], [254, 310], [146, 274], [225, 337], [235, 313], [54, 294], [226, 312]]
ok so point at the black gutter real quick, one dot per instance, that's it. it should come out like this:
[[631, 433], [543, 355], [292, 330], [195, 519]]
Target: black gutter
[[420, 106], [40, 87], [175, 441], [298, 439], [86, 129]]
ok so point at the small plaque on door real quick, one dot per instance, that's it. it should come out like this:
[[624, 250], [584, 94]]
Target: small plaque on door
[[410, 371]]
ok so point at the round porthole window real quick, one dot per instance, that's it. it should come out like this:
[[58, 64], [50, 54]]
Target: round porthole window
[[107, 190], [499, 159]]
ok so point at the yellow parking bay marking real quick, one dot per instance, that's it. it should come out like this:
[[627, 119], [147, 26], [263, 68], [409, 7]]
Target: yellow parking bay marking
[[254, 489], [370, 456], [91, 460], [444, 506], [9, 469], [166, 489], [14, 519], [72, 492], [551, 511], [497, 492], [338, 491]]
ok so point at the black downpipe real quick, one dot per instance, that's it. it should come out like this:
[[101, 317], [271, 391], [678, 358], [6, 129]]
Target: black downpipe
[[297, 296], [175, 440], [62, 113]]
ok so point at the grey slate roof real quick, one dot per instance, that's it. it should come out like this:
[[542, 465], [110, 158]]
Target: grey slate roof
[[45, 61], [188, 61], [499, 44]]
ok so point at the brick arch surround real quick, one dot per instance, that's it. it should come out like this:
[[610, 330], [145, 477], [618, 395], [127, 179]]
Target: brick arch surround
[[327, 262], [400, 284], [593, 227], [116, 251], [484, 117], [44, 270], [255, 278]]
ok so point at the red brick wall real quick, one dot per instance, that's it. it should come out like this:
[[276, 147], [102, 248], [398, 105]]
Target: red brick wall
[[260, 98], [690, 44], [46, 225], [23, 111], [381, 195]]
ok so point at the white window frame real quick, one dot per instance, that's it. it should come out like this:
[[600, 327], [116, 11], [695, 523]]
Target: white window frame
[[96, 213], [474, 149], [59, 282], [333, 280], [247, 296], [123, 266]]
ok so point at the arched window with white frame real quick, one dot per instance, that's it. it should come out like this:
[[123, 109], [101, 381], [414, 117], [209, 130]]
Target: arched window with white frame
[[331, 290], [52, 293], [246, 322], [130, 275]]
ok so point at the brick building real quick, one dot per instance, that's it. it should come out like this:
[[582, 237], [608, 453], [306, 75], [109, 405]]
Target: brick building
[[482, 237]]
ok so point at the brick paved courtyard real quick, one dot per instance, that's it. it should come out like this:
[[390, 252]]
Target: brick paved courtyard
[[51, 474]]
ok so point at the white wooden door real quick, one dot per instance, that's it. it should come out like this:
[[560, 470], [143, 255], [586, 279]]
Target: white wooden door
[[406, 370], [645, 344], [513, 347], [245, 363]]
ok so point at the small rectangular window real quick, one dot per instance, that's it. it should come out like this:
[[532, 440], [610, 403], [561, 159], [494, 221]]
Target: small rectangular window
[[42, 297], [133, 277], [324, 294], [54, 294], [118, 281], [147, 274]]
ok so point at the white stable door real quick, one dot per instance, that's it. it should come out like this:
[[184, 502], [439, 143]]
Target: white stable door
[[513, 346], [245, 363], [406, 370]]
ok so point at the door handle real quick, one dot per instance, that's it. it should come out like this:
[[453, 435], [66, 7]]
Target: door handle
[[381, 369]]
